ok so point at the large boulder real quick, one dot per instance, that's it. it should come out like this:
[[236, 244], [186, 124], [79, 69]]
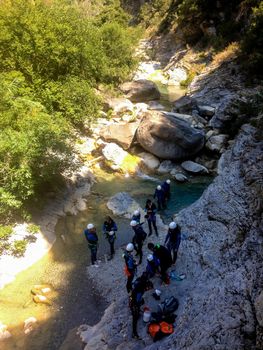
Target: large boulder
[[168, 137], [140, 91], [122, 134], [122, 204]]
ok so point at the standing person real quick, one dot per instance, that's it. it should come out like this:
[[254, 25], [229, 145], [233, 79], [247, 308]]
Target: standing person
[[173, 239], [130, 266], [136, 216], [166, 189], [136, 300], [159, 195], [92, 238], [138, 238], [152, 266], [109, 230], [150, 209], [163, 254]]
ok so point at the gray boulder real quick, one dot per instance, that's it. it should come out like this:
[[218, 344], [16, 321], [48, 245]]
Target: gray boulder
[[180, 177], [206, 111], [185, 104], [168, 137], [166, 166], [217, 142], [194, 168], [122, 134], [140, 91]]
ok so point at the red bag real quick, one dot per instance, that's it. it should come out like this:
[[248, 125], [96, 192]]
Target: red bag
[[126, 271], [153, 328], [166, 328]]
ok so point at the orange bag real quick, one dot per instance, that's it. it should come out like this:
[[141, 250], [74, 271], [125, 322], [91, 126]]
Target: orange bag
[[126, 271], [153, 328], [166, 328]]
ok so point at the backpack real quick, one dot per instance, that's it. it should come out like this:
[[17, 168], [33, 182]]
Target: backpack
[[169, 305], [159, 330]]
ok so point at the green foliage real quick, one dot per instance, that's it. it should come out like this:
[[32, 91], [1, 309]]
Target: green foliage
[[5, 232], [19, 248], [53, 55], [31, 228], [252, 44], [188, 80]]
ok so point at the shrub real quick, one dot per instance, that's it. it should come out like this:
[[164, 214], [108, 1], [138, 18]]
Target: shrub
[[19, 248], [31, 228], [5, 232]]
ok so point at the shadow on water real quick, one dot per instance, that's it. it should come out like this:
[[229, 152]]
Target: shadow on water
[[74, 300]]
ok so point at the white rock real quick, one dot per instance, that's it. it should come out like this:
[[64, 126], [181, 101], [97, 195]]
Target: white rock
[[120, 105], [114, 154], [194, 168], [176, 75], [185, 117], [154, 105], [4, 333], [149, 160]]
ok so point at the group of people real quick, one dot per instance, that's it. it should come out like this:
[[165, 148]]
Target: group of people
[[160, 257]]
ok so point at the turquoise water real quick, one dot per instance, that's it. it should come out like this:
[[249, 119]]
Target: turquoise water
[[72, 226]]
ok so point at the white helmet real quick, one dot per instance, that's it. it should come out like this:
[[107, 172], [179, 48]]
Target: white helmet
[[159, 187], [111, 233], [129, 247], [150, 257], [133, 223], [136, 212], [90, 226], [168, 181], [172, 225]]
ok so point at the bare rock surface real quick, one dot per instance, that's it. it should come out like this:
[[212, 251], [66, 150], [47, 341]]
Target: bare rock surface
[[221, 258], [168, 137]]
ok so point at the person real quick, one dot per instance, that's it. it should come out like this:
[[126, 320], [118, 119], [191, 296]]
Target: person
[[138, 238], [152, 266], [130, 266], [109, 230], [136, 300], [92, 238], [173, 239], [136, 216], [150, 209], [159, 195], [164, 256], [166, 189]]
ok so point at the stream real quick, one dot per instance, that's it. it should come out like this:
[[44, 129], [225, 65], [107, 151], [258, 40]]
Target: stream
[[74, 300]]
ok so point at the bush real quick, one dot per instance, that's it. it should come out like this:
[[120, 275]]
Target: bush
[[34, 229], [19, 248], [5, 232], [252, 44]]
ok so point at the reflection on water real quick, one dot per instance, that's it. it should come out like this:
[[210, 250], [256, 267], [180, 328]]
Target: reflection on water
[[73, 301]]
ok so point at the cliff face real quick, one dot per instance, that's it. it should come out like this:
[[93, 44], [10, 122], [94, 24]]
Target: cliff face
[[223, 255]]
